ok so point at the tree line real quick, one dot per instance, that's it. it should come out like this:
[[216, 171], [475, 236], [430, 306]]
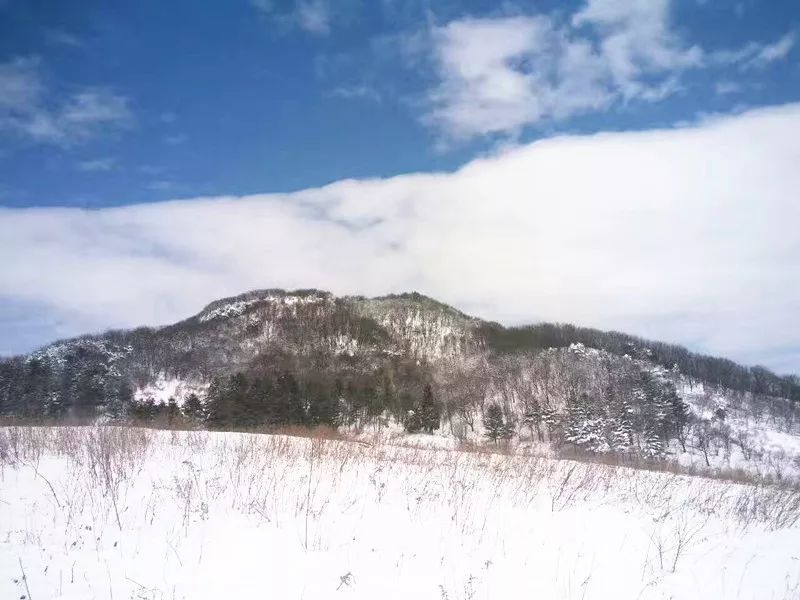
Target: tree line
[[717, 371], [247, 401], [592, 400]]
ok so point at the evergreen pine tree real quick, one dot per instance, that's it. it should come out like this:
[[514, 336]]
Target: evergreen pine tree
[[89, 389], [37, 385], [654, 411], [532, 418], [172, 410], [257, 409], [217, 410], [120, 399], [622, 434], [287, 406], [653, 444], [429, 411], [413, 421], [680, 418], [193, 408], [579, 428], [495, 424], [323, 406]]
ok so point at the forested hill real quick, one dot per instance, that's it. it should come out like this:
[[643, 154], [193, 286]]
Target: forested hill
[[273, 357], [715, 370]]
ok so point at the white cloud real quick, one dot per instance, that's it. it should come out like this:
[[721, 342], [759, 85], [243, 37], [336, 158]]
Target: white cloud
[[363, 92], [727, 87], [59, 37], [636, 40], [151, 169], [770, 53], [316, 17], [687, 235], [313, 16], [20, 84], [176, 139], [30, 110], [482, 90], [98, 164], [92, 107], [755, 55], [497, 75], [162, 185]]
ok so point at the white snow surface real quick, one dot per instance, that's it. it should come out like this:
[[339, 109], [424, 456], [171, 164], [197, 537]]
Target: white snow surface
[[164, 388], [102, 512]]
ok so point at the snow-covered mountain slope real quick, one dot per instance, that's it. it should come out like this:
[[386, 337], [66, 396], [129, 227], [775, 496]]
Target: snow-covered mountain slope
[[134, 513], [742, 433], [423, 327], [309, 357]]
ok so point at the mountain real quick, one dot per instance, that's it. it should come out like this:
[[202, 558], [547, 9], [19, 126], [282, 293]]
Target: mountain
[[307, 357]]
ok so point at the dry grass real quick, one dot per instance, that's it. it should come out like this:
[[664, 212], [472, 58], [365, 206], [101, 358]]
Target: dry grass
[[112, 455], [668, 465], [298, 476]]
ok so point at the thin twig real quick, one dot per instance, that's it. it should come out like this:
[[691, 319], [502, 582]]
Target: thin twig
[[308, 494], [24, 578], [35, 468]]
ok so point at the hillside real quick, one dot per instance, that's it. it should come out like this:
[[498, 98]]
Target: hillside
[[408, 362]]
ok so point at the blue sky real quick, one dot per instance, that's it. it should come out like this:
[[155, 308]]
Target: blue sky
[[246, 96], [107, 105]]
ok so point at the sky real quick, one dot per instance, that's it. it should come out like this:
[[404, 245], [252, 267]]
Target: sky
[[626, 165]]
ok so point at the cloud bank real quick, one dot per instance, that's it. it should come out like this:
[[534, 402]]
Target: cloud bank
[[687, 235]]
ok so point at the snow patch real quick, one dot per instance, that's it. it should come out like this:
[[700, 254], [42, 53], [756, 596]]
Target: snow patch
[[164, 388]]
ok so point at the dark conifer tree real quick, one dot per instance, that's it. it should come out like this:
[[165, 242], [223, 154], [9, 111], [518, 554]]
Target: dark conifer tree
[[217, 403], [257, 401], [323, 407], [495, 424], [287, 405], [120, 399], [429, 411], [193, 408], [172, 410]]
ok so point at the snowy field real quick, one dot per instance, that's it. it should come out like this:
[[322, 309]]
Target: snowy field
[[124, 513]]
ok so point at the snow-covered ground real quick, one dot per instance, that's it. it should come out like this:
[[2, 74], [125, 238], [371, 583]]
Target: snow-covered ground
[[112, 512]]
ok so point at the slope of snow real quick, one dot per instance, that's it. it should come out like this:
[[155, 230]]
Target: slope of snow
[[134, 513]]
